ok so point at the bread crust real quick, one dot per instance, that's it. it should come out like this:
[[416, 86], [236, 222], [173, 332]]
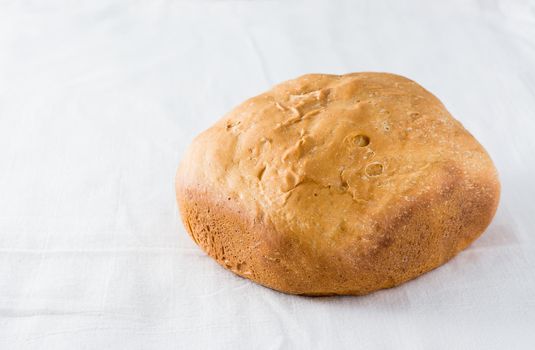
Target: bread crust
[[280, 216]]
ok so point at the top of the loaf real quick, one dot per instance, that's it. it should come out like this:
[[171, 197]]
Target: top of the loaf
[[322, 155]]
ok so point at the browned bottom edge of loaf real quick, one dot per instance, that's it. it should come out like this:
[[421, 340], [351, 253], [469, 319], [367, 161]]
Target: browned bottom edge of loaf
[[410, 243]]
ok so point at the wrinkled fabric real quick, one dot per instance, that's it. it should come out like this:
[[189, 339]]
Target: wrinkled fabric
[[98, 101]]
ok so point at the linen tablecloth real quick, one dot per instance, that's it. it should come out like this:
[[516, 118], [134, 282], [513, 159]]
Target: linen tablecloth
[[98, 101]]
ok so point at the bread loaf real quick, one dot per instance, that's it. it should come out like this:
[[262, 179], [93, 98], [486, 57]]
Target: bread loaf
[[336, 184]]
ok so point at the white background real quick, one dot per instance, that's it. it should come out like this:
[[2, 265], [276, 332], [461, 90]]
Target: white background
[[98, 100]]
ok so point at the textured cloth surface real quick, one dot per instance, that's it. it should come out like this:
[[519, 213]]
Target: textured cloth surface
[[98, 101]]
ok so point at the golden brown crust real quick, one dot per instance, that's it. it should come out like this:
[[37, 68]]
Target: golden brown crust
[[336, 185]]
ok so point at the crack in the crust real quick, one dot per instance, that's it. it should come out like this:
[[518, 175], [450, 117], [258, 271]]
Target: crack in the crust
[[261, 172], [306, 180], [299, 118], [303, 106]]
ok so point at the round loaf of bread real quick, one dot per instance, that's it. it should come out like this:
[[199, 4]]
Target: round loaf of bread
[[336, 184]]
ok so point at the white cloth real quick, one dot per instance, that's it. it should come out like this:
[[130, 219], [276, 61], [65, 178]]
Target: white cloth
[[98, 100]]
